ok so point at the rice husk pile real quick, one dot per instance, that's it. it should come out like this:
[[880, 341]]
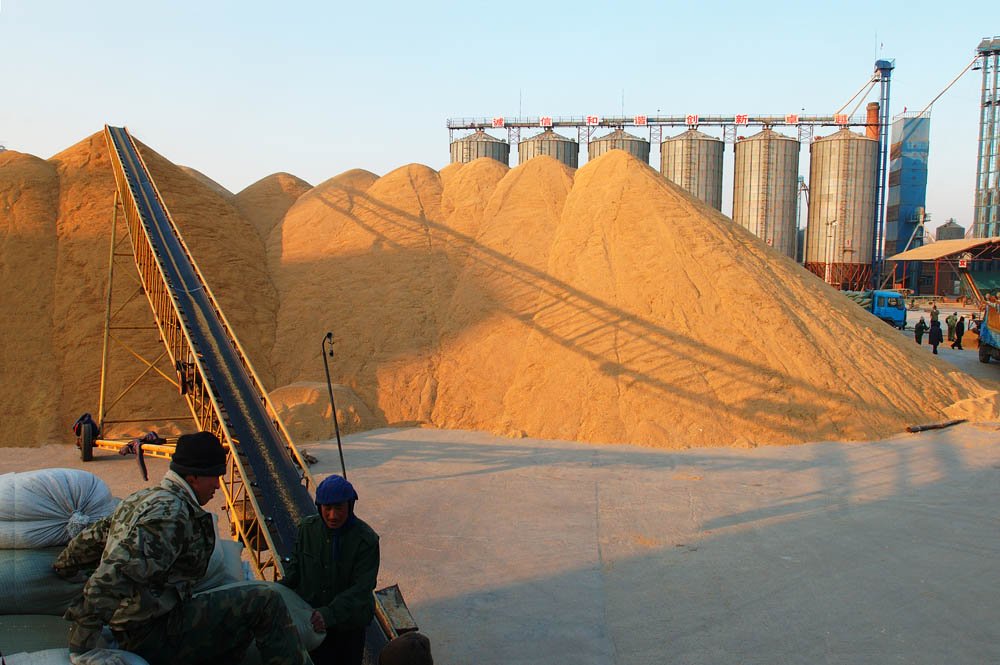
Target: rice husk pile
[[602, 304], [55, 232], [265, 202]]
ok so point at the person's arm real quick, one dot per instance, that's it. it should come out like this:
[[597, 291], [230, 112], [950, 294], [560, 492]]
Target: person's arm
[[351, 604], [83, 553], [131, 566]]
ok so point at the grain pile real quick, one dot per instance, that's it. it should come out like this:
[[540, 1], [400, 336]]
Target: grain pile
[[265, 202], [601, 304], [55, 225]]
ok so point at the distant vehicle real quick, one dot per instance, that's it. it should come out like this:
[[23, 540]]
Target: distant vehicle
[[890, 306], [989, 334]]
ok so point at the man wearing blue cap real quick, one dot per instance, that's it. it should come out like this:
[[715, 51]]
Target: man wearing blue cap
[[334, 568]]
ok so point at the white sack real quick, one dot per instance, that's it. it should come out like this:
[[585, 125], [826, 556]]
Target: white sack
[[28, 585], [225, 566], [47, 507], [61, 657]]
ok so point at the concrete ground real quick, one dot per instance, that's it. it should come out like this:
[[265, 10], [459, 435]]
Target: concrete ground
[[528, 551], [967, 359]]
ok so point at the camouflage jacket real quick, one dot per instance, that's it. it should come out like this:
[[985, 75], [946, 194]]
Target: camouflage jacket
[[146, 558]]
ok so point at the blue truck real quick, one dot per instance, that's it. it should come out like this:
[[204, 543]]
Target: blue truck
[[890, 306], [989, 334]]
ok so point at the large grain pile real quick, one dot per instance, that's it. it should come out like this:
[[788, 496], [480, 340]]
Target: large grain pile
[[603, 304], [55, 230]]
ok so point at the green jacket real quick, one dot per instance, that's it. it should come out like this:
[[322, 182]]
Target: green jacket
[[340, 590], [146, 559]]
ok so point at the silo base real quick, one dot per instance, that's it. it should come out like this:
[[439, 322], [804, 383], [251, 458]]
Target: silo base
[[843, 276]]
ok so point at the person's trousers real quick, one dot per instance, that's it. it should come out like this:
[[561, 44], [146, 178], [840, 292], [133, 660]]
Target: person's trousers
[[217, 627], [341, 647]]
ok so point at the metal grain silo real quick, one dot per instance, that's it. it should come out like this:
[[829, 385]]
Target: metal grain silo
[[694, 161], [549, 143], [621, 140], [842, 175], [479, 144], [765, 186]]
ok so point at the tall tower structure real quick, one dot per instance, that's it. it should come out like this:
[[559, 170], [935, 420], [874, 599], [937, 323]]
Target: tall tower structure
[[986, 216], [907, 191], [883, 74]]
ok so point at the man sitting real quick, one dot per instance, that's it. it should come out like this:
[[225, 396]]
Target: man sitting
[[146, 559]]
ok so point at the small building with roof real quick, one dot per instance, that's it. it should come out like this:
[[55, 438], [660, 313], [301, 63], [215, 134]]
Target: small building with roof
[[963, 266]]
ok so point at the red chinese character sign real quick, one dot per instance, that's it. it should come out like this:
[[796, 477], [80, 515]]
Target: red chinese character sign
[[545, 121], [691, 119], [840, 118], [792, 119], [593, 120], [963, 263], [742, 119], [498, 122], [640, 120]]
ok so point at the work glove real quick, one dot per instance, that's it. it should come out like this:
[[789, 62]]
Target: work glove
[[98, 657]]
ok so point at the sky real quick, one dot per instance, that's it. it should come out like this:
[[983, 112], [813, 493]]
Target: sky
[[241, 90]]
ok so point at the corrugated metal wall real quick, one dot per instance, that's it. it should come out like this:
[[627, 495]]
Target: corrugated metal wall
[[842, 176], [549, 143], [765, 183], [619, 139], [479, 144], [693, 160]]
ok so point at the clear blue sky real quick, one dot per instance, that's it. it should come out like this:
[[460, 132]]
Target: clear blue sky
[[240, 90]]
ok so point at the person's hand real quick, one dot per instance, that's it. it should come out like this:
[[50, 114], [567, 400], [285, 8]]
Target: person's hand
[[317, 622], [97, 657]]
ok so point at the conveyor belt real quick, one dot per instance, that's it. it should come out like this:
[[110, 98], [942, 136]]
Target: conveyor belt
[[268, 485], [972, 287], [224, 393]]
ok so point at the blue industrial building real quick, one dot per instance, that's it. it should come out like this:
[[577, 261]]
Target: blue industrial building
[[907, 187]]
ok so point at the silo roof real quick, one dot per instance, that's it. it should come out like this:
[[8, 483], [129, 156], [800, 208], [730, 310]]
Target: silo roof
[[480, 135], [844, 135], [692, 135], [548, 135], [768, 135], [621, 134]]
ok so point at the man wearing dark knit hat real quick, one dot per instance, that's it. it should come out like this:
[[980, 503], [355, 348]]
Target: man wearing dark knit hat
[[146, 559], [407, 649], [334, 568]]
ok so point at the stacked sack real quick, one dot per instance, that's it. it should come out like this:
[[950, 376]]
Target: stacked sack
[[40, 511]]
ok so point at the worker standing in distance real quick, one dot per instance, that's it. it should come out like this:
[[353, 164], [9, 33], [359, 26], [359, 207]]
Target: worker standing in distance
[[919, 329], [334, 568], [146, 559]]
